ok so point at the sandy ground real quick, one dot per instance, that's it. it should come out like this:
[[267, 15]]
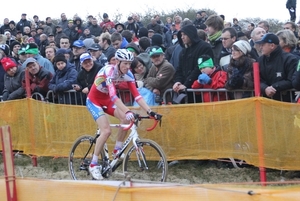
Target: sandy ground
[[183, 172]]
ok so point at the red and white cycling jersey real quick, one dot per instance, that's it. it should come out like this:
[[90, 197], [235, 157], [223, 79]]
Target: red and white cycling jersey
[[104, 85]]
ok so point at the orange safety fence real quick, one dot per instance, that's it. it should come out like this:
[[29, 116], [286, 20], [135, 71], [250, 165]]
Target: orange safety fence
[[39, 189], [225, 129]]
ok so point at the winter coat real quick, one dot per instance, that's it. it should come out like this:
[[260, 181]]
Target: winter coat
[[61, 82], [160, 77], [23, 23], [39, 82], [218, 80], [277, 71], [95, 30], [291, 3], [13, 85], [188, 71]]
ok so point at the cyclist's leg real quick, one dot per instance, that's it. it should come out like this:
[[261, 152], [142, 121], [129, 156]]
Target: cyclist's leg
[[121, 133]]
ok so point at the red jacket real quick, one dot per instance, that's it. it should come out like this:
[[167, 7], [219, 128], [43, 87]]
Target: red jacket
[[218, 80]]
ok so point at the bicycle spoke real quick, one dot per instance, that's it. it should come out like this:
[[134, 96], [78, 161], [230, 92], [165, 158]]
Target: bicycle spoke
[[148, 162]]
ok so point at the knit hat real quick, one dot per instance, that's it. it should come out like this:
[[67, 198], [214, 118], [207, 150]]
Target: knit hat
[[31, 48], [243, 45], [205, 61], [12, 45], [157, 40], [8, 63], [60, 57], [142, 32], [5, 49], [111, 55]]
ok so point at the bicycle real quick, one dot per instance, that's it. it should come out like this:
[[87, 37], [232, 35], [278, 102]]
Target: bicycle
[[145, 159]]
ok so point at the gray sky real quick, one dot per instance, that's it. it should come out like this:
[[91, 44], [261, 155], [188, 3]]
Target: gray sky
[[230, 8]]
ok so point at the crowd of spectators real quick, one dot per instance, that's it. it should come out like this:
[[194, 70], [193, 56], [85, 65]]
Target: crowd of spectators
[[207, 52]]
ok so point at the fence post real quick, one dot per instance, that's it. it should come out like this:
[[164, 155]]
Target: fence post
[[260, 141], [9, 169]]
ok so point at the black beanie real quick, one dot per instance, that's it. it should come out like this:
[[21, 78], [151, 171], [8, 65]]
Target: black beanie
[[60, 57], [13, 44]]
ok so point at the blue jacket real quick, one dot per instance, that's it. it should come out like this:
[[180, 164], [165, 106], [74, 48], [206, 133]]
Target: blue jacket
[[62, 81]]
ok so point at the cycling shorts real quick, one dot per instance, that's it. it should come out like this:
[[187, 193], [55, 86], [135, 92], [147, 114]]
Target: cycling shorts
[[105, 106]]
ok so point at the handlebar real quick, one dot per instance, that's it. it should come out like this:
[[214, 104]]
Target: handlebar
[[139, 118]]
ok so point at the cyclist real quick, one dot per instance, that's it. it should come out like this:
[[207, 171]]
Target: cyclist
[[103, 98]]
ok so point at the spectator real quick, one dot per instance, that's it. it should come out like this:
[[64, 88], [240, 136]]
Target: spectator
[[131, 25], [133, 48], [169, 36], [5, 26], [150, 33], [36, 22], [96, 52], [50, 54], [118, 41], [106, 21], [23, 23], [58, 35], [63, 21], [12, 80], [229, 36], [188, 71], [161, 73], [33, 52], [105, 43], [291, 6], [119, 27], [201, 17], [236, 25], [143, 32], [211, 77], [144, 43], [296, 79], [12, 28], [264, 24], [291, 26], [240, 70], [215, 25], [154, 26], [77, 29], [288, 41], [35, 36], [39, 77], [14, 48], [47, 29], [137, 20], [50, 24], [26, 31], [86, 34], [4, 52], [276, 69], [256, 35], [157, 40], [177, 21], [78, 49], [64, 42], [65, 76], [43, 44], [68, 31], [86, 75], [95, 29], [169, 51]]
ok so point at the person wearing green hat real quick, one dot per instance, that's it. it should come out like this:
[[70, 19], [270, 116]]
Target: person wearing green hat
[[161, 73], [211, 77]]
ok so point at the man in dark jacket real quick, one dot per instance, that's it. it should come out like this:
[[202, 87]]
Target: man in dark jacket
[[276, 69], [23, 23], [95, 29], [5, 26], [193, 48], [291, 6]]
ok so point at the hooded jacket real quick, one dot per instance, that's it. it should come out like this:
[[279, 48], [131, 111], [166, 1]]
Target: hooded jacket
[[188, 71]]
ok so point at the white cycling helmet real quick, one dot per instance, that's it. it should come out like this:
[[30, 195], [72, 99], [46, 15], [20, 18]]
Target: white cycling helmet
[[124, 55]]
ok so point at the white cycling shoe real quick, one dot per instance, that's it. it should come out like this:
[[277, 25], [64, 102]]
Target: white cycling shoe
[[95, 170]]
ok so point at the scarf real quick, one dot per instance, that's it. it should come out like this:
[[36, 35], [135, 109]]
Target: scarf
[[215, 36]]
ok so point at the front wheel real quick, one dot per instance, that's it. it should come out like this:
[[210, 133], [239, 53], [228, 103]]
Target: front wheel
[[147, 162], [80, 157]]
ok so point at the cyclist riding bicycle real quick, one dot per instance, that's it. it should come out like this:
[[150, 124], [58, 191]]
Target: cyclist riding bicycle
[[103, 98]]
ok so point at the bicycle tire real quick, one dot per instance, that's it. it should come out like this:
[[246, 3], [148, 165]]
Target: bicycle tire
[[80, 156], [155, 158]]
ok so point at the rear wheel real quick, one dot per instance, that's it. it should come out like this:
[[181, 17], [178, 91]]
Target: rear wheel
[[148, 162], [80, 157]]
